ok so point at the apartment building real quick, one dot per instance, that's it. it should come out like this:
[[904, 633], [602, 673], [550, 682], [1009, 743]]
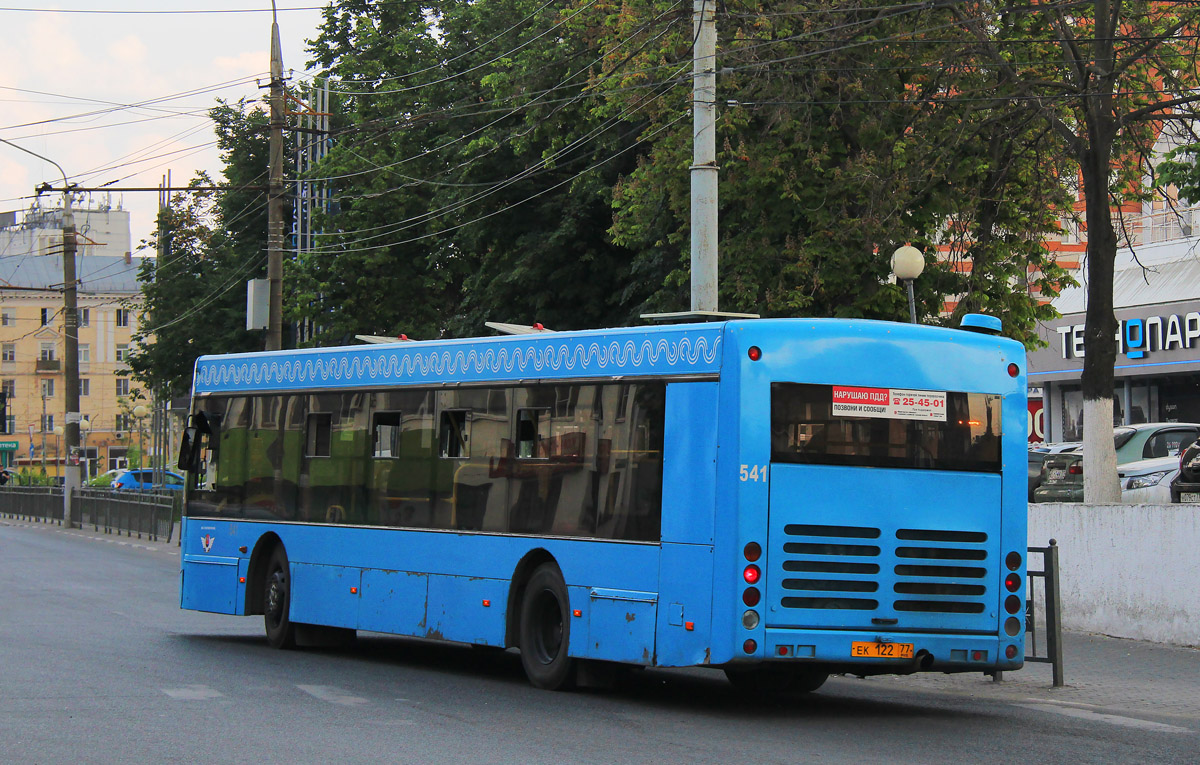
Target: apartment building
[[32, 342]]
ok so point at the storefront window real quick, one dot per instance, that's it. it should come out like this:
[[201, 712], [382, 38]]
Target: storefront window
[[1072, 409]]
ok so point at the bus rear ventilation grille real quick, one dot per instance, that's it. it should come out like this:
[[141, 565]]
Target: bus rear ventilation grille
[[843, 604], [939, 606]]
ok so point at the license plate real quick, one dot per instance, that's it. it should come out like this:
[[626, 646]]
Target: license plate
[[1056, 474], [1189, 496], [881, 650]]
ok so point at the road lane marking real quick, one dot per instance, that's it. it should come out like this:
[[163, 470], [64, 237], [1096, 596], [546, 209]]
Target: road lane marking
[[332, 694], [1100, 717], [193, 693]]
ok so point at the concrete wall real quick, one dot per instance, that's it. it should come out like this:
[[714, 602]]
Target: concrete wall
[[1129, 571]]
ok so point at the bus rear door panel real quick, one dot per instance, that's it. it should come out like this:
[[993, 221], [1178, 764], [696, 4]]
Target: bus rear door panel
[[897, 561], [684, 618]]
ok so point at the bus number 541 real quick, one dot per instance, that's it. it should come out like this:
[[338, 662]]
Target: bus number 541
[[753, 473]]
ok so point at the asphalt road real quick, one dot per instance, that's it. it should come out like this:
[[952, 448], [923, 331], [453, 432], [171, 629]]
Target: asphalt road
[[98, 664]]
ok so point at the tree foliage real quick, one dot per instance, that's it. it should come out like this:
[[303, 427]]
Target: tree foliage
[[485, 171], [849, 130], [1107, 76], [524, 160], [209, 244]]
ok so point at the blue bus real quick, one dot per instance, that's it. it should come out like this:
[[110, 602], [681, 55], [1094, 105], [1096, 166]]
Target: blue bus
[[778, 498]]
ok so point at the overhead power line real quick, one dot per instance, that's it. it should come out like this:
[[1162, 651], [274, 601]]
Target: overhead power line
[[159, 11]]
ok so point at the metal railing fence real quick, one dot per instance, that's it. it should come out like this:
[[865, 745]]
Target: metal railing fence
[[1053, 608], [32, 503], [149, 514]]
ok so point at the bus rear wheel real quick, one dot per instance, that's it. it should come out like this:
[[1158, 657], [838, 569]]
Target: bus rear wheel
[[772, 680], [277, 601], [545, 630]]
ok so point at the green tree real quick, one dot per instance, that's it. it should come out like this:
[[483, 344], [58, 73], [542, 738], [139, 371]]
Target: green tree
[[209, 244], [474, 179], [845, 133], [1106, 76], [378, 267]]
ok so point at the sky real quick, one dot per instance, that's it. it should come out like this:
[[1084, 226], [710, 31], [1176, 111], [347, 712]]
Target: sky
[[65, 76]]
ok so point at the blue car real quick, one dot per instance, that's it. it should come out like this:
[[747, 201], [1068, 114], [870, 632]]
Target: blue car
[[143, 480]]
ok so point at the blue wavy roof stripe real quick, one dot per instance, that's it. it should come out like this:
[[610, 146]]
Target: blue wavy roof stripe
[[672, 350]]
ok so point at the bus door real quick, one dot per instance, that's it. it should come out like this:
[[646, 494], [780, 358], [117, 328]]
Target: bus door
[[884, 509]]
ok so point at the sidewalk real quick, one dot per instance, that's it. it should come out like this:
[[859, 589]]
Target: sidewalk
[[1103, 672]]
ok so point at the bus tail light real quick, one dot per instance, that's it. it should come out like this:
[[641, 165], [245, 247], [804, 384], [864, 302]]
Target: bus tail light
[[1010, 652], [750, 620], [1012, 582], [1012, 626], [750, 646], [1012, 604], [1013, 370], [751, 596], [1013, 560], [755, 353], [752, 574], [752, 551]]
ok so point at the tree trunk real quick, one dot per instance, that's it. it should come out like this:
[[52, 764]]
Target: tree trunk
[[1100, 483]]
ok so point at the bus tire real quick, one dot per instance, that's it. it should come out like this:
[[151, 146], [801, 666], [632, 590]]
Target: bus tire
[[277, 602], [773, 680], [545, 630], [808, 680]]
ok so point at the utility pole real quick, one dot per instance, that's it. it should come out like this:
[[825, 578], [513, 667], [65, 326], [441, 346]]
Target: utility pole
[[275, 195], [70, 342], [71, 362], [704, 156]]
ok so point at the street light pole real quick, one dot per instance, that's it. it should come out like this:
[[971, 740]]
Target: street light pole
[[84, 427], [44, 431], [139, 412]]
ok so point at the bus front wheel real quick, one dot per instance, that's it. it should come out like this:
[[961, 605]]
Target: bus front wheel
[[277, 601], [546, 630]]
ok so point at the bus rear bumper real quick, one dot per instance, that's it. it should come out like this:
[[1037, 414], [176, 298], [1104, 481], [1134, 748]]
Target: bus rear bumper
[[869, 653]]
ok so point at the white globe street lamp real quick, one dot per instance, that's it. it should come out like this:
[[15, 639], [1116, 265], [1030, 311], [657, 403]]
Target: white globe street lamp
[[140, 411], [907, 264]]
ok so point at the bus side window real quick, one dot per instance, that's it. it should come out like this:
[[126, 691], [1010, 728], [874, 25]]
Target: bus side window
[[385, 435], [319, 435], [531, 433], [453, 435]]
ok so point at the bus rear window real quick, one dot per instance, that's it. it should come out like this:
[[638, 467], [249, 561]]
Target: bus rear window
[[881, 427]]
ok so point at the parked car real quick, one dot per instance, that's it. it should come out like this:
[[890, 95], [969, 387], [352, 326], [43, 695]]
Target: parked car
[[106, 478], [1185, 487], [1148, 482], [1056, 448], [1062, 474], [1038, 455], [143, 480]]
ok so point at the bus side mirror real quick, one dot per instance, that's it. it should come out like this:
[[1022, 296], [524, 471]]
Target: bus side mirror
[[189, 451]]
